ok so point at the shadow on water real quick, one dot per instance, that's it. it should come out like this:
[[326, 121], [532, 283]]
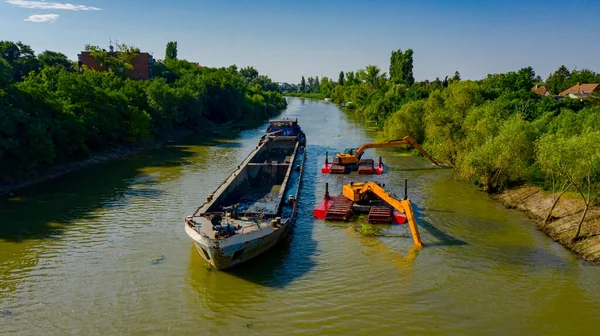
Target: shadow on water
[[46, 209], [291, 258], [444, 239]]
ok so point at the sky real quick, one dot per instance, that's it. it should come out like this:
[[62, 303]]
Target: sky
[[289, 39]]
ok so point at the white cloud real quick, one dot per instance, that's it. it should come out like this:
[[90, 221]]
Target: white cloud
[[50, 5], [43, 18]]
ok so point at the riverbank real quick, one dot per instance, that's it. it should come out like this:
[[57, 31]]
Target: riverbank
[[108, 155], [565, 218], [319, 96]]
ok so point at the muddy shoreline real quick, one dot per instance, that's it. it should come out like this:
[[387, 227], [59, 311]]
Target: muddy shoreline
[[536, 203]]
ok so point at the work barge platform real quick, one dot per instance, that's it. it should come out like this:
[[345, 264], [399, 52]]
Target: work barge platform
[[370, 198]]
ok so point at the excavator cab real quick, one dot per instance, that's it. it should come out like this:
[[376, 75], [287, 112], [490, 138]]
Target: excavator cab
[[350, 151]]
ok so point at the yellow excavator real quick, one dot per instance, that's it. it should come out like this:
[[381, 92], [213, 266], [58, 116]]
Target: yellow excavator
[[350, 159], [353, 155], [364, 191]]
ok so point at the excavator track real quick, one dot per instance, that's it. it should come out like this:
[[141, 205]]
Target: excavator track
[[341, 209], [380, 215], [366, 166], [338, 169]]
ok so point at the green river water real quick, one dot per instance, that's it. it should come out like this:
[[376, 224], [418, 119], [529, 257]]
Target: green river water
[[103, 251]]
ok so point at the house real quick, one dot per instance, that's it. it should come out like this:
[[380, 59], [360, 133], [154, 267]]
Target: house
[[540, 90], [580, 91], [143, 63]]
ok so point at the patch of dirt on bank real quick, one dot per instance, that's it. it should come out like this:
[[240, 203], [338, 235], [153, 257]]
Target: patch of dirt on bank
[[565, 217]]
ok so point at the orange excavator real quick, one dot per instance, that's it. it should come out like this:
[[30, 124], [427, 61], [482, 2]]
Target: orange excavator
[[382, 207], [351, 158]]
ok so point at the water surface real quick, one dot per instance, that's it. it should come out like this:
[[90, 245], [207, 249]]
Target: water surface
[[103, 251]]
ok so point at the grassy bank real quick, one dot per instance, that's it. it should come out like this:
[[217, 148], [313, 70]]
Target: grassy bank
[[561, 227], [319, 96]]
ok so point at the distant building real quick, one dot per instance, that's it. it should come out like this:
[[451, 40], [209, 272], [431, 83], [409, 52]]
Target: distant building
[[580, 91], [540, 90], [143, 64]]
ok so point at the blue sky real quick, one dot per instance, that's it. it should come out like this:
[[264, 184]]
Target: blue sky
[[286, 40]]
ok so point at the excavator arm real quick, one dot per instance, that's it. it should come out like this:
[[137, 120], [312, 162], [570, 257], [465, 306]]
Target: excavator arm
[[356, 191], [407, 140]]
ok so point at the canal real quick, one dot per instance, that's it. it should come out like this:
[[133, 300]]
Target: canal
[[103, 251]]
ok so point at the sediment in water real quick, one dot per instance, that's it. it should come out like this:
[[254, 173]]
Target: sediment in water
[[565, 217]]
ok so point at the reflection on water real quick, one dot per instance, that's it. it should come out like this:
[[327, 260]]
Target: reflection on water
[[75, 252]]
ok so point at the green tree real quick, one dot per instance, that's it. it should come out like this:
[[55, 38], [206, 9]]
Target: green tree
[[302, 86], [445, 111], [372, 76], [350, 78], [21, 58], [311, 84], [171, 50], [506, 157], [249, 73], [6, 73], [51, 58], [584, 171], [558, 81], [341, 78], [456, 76], [408, 120], [401, 67], [553, 155]]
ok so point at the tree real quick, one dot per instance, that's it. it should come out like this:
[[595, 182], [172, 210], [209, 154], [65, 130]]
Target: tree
[[171, 50], [302, 85], [51, 58], [456, 76], [351, 78], [558, 81], [311, 84], [20, 57], [249, 73], [445, 112], [503, 158], [401, 67], [584, 171], [552, 156], [6, 73], [406, 121], [341, 78], [326, 86], [371, 75]]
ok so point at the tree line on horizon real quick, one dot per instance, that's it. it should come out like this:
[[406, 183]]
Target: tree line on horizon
[[496, 132], [52, 112]]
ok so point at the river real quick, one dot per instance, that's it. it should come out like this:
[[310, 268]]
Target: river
[[103, 251]]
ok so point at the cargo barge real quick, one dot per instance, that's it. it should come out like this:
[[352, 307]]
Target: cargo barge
[[256, 206]]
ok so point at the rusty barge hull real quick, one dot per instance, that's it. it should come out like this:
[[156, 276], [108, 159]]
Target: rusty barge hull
[[254, 208]]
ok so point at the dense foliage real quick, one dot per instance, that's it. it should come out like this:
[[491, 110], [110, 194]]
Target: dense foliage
[[50, 112]]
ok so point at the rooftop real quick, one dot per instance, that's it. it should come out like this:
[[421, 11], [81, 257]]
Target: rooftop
[[581, 88]]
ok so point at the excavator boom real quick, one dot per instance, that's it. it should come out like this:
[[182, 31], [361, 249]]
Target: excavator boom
[[407, 140], [356, 191]]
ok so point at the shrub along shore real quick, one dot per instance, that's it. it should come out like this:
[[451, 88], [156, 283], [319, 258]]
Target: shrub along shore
[[54, 114]]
